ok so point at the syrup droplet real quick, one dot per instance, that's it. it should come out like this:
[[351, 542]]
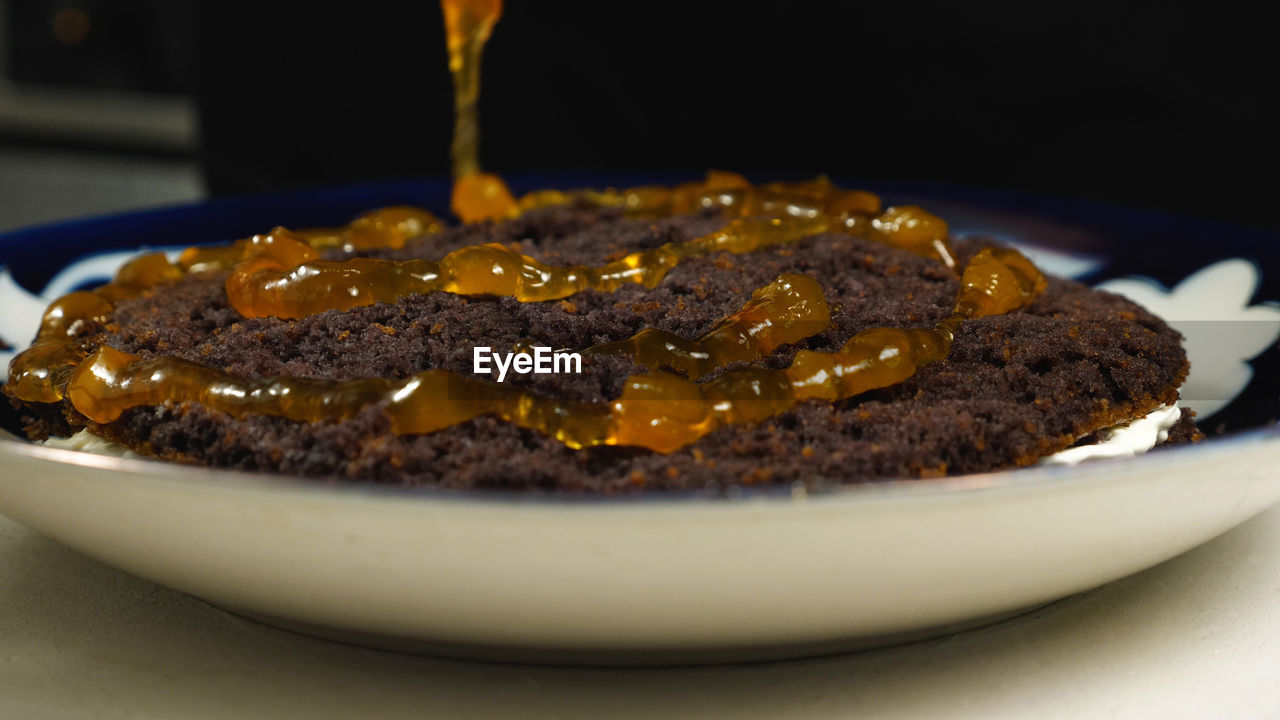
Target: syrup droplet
[[482, 196], [476, 195]]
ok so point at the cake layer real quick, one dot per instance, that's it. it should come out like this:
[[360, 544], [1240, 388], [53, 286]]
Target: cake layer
[[1015, 388]]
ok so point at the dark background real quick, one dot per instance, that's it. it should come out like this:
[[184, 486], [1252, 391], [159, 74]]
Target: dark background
[[1155, 105]]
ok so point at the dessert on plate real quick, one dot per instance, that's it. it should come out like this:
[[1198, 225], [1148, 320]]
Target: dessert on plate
[[727, 334]]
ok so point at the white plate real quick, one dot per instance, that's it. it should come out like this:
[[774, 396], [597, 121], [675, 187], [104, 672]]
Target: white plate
[[638, 580]]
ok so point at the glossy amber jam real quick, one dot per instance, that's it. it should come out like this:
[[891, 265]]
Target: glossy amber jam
[[838, 209], [476, 195], [783, 312], [279, 277], [787, 310], [40, 373], [273, 283]]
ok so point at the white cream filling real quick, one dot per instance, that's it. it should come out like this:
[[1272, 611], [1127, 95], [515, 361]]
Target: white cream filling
[[1132, 438], [86, 441]]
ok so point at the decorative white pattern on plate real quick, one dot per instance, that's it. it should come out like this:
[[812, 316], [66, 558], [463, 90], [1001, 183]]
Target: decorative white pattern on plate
[[1222, 330]]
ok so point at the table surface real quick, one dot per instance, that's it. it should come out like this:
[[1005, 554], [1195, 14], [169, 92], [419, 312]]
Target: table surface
[[1198, 636]]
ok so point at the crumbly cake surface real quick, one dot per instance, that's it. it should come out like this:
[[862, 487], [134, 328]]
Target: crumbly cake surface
[[1015, 388]]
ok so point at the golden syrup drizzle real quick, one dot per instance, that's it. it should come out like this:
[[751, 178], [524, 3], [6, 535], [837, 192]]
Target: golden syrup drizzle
[[273, 284], [281, 280], [467, 26], [720, 190], [858, 212], [482, 196], [787, 310], [783, 312], [855, 212], [385, 228], [281, 273], [660, 411], [39, 373], [476, 195]]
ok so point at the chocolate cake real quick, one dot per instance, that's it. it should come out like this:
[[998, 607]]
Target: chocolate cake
[[1014, 387]]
